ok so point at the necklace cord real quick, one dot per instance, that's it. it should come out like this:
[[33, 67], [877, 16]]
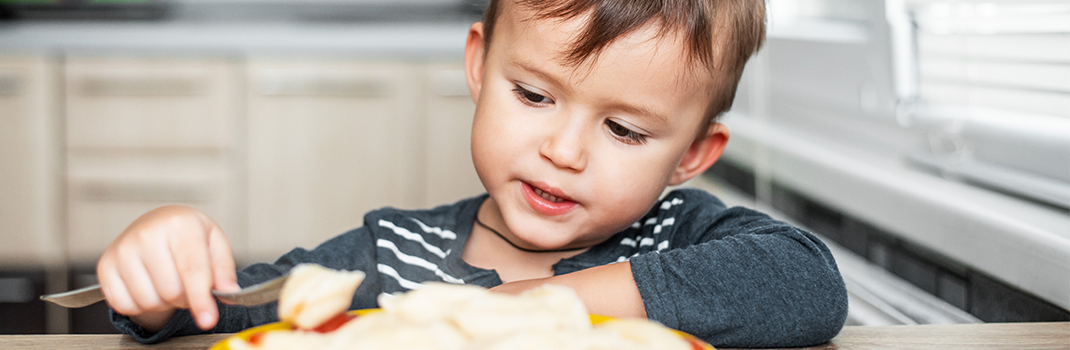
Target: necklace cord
[[522, 248]]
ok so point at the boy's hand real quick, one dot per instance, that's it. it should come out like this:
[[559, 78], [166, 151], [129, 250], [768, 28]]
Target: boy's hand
[[170, 258]]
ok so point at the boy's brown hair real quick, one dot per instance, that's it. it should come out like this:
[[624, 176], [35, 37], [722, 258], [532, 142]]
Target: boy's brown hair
[[719, 34]]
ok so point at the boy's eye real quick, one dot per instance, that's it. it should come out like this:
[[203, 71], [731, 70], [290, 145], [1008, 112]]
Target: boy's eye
[[530, 97], [624, 134]]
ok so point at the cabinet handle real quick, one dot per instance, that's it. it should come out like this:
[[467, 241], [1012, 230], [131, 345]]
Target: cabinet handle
[[114, 86], [365, 85], [16, 290], [10, 84], [141, 192]]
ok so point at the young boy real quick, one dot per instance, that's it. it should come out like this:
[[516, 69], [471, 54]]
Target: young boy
[[586, 112]]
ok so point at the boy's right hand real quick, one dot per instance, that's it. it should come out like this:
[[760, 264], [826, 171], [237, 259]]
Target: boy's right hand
[[170, 258]]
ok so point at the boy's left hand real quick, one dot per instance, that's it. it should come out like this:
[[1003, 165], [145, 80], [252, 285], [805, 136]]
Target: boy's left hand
[[607, 290]]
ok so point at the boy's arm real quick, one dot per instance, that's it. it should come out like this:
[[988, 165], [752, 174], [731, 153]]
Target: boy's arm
[[751, 291], [608, 290], [733, 277], [773, 286]]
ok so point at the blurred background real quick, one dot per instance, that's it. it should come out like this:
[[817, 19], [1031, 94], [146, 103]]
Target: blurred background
[[928, 142]]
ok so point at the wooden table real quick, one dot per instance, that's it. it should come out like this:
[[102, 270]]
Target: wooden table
[[987, 336], [1018, 336]]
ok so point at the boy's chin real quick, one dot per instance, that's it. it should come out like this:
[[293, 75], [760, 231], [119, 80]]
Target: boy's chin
[[544, 238], [535, 235]]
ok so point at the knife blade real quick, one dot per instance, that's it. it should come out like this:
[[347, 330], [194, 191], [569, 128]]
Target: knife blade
[[257, 294]]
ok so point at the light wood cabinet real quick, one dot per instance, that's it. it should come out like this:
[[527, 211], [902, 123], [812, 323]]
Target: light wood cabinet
[[145, 132], [30, 163], [281, 152], [449, 173], [328, 142], [151, 103]]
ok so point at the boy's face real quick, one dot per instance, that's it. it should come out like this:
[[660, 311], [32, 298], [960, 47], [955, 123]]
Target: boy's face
[[571, 155]]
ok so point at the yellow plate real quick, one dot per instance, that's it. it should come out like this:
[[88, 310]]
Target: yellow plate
[[282, 326]]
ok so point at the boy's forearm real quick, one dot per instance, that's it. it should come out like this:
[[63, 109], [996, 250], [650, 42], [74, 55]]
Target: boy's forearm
[[608, 290]]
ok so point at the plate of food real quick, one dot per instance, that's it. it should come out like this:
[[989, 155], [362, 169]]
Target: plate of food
[[312, 308]]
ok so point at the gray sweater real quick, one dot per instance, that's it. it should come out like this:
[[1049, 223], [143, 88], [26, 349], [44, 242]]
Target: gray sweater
[[731, 276]]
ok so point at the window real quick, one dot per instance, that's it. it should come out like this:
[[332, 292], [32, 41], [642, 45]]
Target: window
[[993, 94]]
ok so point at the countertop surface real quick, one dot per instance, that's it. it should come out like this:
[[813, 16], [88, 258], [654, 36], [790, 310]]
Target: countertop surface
[[425, 31], [1019, 336]]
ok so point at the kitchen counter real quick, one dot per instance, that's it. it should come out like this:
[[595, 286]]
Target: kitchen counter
[[206, 28], [1020, 336]]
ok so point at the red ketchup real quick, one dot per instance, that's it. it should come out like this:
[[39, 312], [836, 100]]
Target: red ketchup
[[334, 323], [695, 344], [255, 339], [330, 326]]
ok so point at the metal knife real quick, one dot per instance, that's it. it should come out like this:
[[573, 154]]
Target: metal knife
[[249, 296]]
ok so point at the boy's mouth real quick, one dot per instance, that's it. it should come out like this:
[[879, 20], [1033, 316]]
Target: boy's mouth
[[547, 196], [544, 202]]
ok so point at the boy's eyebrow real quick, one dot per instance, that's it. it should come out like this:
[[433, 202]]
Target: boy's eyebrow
[[614, 104], [639, 110], [527, 66]]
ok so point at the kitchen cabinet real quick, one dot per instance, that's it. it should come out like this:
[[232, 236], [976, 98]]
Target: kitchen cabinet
[[30, 163], [151, 103], [142, 132], [282, 152], [20, 309], [329, 140]]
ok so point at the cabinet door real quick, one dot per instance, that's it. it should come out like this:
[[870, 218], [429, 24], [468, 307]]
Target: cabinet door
[[151, 103], [450, 175], [30, 163], [328, 141], [107, 192], [148, 132]]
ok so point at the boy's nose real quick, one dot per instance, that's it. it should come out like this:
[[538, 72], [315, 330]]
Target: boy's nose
[[565, 149]]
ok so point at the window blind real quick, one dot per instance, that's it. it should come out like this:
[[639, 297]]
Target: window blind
[[994, 94]]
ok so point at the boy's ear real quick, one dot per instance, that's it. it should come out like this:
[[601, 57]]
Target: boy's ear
[[702, 153], [474, 55]]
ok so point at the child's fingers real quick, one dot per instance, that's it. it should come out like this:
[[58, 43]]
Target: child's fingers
[[198, 295], [138, 283], [192, 261], [223, 270], [160, 264], [115, 293]]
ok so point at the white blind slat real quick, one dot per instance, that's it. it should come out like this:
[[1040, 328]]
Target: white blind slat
[[1041, 102], [1012, 56], [986, 17], [1012, 75], [1048, 48]]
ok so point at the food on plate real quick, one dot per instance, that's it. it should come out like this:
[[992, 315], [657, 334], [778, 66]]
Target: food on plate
[[314, 294], [478, 313], [449, 317]]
